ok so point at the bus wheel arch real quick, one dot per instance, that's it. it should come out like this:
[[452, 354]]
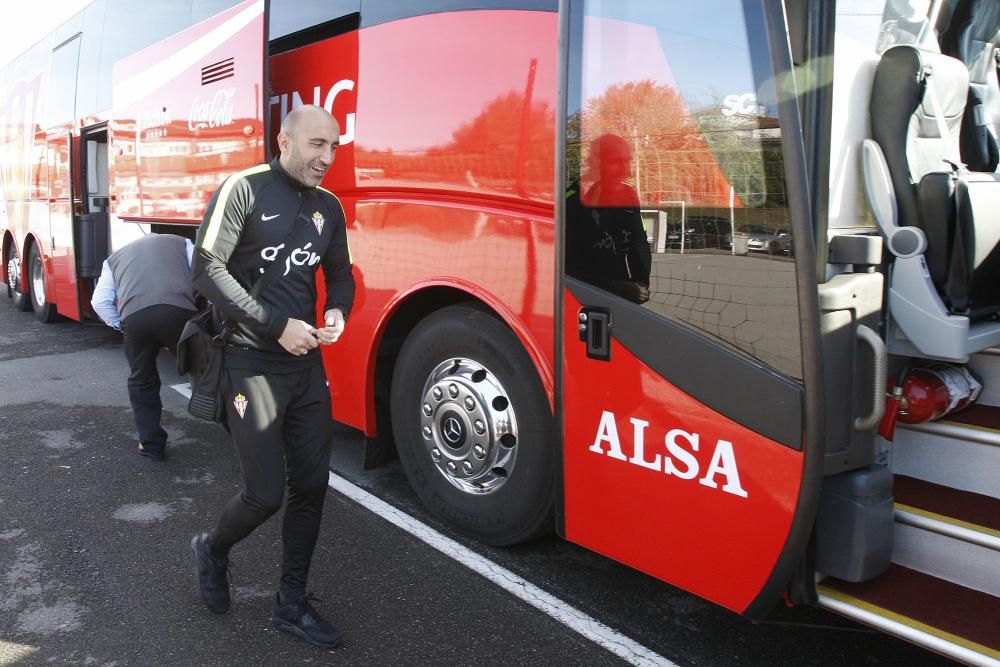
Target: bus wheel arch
[[462, 368]]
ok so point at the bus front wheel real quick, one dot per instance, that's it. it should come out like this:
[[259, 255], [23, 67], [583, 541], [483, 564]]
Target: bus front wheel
[[44, 311], [473, 427]]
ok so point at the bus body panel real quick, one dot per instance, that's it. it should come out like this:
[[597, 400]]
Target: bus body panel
[[397, 256], [437, 162], [474, 113], [61, 278], [188, 112], [659, 481], [23, 171], [22, 140]]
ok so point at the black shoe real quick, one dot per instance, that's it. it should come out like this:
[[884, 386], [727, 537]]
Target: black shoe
[[153, 453], [300, 619], [211, 575]]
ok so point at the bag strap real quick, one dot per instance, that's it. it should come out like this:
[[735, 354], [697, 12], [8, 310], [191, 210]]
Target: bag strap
[[295, 235]]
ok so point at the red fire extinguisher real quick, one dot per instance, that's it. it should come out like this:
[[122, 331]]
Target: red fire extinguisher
[[927, 392]]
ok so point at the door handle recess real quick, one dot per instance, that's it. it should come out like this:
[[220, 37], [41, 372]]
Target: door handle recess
[[595, 332]]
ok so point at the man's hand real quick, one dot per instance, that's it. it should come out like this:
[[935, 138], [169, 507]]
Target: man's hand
[[334, 320], [298, 337], [637, 292], [643, 295]]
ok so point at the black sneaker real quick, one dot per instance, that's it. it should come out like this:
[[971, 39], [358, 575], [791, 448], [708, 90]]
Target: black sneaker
[[300, 619], [153, 453], [211, 576]]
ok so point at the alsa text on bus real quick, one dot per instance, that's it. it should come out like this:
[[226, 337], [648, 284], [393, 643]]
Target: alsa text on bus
[[679, 461]]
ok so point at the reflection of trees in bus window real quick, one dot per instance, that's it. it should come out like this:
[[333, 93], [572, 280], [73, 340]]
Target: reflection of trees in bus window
[[504, 148], [691, 89], [480, 107], [672, 158]]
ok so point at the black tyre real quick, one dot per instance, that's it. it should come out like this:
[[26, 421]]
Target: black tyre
[[44, 311], [14, 289], [473, 427]]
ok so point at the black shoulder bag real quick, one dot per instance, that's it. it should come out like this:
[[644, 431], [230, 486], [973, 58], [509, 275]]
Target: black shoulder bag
[[201, 349]]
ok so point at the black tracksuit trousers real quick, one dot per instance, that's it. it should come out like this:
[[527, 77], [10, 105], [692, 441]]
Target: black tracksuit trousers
[[281, 425], [147, 331]]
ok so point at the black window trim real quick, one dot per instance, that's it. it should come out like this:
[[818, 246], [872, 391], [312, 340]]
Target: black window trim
[[67, 41]]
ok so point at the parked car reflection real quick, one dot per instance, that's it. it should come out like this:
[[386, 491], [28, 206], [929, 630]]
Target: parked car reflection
[[770, 241], [699, 232]]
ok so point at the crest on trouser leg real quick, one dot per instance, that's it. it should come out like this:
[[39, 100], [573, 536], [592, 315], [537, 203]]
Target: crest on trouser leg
[[241, 403]]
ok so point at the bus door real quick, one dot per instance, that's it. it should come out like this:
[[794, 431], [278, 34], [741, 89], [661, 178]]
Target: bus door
[[187, 112], [90, 230], [60, 279], [687, 386]]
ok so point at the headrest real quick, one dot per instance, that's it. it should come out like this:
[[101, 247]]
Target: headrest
[[950, 79]]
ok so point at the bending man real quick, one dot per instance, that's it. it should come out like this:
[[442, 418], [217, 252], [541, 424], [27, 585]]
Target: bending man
[[145, 292]]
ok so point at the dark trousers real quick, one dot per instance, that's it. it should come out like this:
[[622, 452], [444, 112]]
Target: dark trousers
[[147, 332], [281, 426]]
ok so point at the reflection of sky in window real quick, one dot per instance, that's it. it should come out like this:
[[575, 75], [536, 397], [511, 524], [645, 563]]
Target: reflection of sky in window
[[62, 83], [704, 42]]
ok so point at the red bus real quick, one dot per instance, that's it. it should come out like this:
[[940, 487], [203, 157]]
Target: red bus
[[637, 272]]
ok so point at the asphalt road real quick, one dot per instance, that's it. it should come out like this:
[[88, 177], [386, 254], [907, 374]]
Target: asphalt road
[[95, 569]]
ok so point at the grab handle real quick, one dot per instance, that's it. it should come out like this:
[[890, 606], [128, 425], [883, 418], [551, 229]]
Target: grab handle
[[878, 390]]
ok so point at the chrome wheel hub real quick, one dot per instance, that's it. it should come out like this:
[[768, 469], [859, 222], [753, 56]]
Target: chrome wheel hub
[[38, 282], [14, 273], [468, 426]]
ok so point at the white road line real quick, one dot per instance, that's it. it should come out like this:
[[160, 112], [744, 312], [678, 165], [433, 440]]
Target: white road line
[[631, 651], [625, 648], [183, 389]]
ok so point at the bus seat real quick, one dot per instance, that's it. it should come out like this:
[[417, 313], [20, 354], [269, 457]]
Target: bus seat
[[973, 36], [904, 126], [940, 221]]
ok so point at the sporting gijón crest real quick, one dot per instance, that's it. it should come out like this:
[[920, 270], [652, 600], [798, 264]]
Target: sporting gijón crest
[[240, 402]]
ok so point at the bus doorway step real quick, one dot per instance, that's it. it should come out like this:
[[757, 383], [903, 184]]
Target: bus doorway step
[[946, 618]]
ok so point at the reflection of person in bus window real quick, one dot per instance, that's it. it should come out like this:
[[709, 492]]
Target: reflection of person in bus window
[[606, 244]]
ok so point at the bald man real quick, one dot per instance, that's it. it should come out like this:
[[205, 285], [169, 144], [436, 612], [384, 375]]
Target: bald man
[[605, 241], [277, 400]]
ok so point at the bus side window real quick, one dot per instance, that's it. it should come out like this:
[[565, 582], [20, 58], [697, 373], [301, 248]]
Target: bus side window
[[290, 16], [62, 83], [133, 30]]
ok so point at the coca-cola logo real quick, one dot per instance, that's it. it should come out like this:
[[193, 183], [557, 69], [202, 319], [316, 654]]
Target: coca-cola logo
[[216, 112]]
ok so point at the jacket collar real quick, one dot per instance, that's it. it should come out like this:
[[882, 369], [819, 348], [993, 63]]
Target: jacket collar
[[286, 177]]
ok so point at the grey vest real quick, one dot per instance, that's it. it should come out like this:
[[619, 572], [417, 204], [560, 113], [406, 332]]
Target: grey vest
[[151, 271]]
